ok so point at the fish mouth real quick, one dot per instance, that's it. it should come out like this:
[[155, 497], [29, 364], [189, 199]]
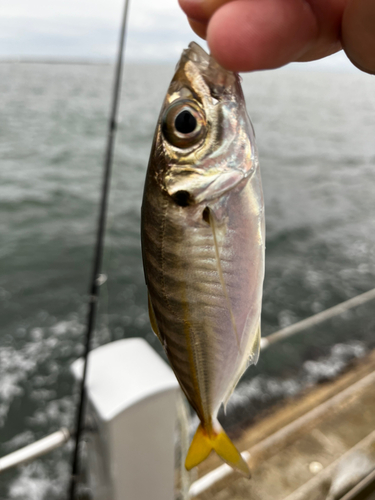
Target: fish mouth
[[196, 54], [220, 80]]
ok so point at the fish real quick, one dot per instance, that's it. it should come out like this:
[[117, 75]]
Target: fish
[[203, 242]]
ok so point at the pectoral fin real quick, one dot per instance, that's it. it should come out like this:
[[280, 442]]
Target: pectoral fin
[[211, 221]]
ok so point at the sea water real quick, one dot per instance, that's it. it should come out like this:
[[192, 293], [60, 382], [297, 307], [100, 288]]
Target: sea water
[[315, 135]]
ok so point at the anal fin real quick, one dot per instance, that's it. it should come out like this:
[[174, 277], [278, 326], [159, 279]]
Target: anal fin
[[252, 351], [255, 349]]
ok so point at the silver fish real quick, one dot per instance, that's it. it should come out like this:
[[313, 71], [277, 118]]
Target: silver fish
[[203, 242]]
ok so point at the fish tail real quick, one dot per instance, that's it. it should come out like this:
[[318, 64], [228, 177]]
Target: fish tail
[[204, 441]]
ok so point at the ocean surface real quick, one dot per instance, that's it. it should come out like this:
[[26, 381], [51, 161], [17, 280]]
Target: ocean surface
[[315, 134]]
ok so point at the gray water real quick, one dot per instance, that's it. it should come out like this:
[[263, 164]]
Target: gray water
[[316, 140]]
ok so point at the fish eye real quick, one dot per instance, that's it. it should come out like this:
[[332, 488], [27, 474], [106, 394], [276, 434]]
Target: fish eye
[[184, 124]]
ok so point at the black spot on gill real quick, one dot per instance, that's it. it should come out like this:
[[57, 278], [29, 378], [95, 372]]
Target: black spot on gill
[[206, 215], [182, 198]]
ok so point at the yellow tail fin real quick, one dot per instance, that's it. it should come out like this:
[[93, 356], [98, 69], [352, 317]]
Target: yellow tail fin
[[202, 444]]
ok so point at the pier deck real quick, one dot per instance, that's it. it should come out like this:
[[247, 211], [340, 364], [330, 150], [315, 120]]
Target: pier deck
[[321, 443]]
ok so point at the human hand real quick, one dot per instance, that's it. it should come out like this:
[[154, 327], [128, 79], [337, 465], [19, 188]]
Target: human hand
[[247, 35]]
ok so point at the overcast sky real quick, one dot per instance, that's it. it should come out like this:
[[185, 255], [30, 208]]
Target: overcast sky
[[157, 29], [88, 29]]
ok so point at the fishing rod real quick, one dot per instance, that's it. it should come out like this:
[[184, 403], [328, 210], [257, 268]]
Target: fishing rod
[[96, 277]]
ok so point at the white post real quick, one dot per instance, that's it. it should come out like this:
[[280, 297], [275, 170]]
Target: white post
[[132, 406]]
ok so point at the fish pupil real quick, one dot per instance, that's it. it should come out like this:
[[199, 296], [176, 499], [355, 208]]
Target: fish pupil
[[185, 122]]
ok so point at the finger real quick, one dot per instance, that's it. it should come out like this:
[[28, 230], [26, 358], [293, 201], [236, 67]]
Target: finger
[[201, 10], [328, 14], [358, 34], [199, 28], [246, 35]]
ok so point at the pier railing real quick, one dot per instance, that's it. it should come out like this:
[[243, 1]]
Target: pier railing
[[35, 450], [318, 318]]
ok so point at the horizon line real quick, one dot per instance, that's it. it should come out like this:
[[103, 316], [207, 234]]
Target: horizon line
[[76, 60]]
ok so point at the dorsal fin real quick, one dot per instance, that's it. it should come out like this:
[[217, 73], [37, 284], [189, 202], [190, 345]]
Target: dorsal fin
[[153, 322]]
